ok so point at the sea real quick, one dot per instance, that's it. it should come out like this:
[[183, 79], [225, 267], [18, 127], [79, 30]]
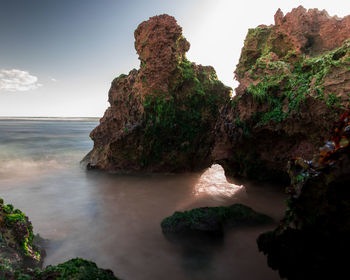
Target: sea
[[114, 220]]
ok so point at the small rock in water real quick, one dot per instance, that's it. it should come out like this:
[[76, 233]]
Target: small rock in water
[[212, 220]]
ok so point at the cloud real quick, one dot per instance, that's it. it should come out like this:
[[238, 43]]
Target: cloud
[[52, 79], [17, 80]]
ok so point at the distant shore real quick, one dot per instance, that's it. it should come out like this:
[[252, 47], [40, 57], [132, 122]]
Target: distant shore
[[51, 118]]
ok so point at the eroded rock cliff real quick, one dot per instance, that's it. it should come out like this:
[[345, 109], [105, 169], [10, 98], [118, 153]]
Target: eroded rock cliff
[[162, 116], [294, 82]]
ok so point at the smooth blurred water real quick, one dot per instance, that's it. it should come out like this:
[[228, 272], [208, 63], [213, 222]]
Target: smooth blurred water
[[114, 220]]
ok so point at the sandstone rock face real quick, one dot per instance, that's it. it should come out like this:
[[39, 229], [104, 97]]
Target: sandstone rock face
[[294, 78], [161, 47], [313, 238], [162, 116], [312, 31]]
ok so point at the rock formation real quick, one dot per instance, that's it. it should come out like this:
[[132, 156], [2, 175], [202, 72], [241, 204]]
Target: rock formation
[[173, 115], [294, 82], [74, 269], [17, 249], [312, 241], [21, 257], [212, 220], [162, 116]]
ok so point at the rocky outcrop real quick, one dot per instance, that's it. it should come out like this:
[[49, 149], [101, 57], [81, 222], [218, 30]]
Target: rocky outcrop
[[310, 32], [294, 81], [162, 116], [212, 220], [173, 115], [21, 257], [75, 269], [312, 240], [17, 249]]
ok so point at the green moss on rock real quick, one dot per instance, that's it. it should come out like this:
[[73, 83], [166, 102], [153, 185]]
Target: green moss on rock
[[75, 269], [17, 230], [212, 219], [178, 123], [21, 258], [285, 90]]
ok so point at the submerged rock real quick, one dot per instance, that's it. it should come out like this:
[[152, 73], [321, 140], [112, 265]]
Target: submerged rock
[[212, 220], [162, 116], [312, 240], [294, 80]]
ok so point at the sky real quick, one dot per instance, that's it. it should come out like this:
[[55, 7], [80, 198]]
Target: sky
[[58, 57]]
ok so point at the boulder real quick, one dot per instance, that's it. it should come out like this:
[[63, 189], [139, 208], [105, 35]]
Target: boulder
[[212, 220]]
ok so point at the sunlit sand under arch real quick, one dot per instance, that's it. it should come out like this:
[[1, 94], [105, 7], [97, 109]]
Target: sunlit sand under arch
[[213, 182]]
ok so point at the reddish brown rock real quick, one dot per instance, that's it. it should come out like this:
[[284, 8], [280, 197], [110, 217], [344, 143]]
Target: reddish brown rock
[[312, 31], [162, 116], [161, 47], [294, 78]]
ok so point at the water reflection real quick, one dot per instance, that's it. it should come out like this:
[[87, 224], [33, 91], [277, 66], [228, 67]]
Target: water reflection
[[197, 250]]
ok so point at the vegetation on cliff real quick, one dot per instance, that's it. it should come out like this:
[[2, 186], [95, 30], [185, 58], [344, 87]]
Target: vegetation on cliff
[[294, 85]]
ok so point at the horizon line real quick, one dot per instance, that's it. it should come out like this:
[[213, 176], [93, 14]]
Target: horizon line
[[46, 117]]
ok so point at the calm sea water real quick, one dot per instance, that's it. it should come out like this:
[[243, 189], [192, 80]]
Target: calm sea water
[[114, 220]]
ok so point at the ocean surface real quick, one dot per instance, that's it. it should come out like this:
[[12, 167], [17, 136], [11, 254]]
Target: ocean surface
[[114, 220]]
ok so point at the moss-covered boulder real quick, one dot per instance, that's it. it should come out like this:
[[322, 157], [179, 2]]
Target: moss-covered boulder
[[161, 116], [18, 252], [21, 257], [294, 84], [75, 269], [312, 240], [212, 220]]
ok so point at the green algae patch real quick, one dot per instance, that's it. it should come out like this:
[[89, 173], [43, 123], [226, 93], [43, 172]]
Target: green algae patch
[[285, 86], [212, 219], [75, 269]]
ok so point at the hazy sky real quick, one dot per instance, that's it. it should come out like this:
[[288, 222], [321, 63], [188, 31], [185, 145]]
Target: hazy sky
[[58, 57]]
